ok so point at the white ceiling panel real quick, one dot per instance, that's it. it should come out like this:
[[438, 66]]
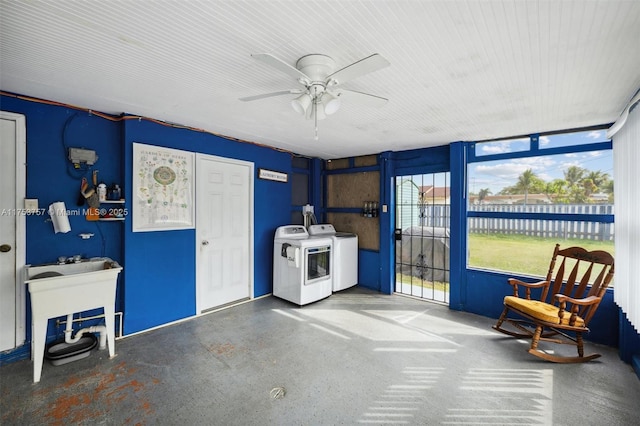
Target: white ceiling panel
[[460, 70]]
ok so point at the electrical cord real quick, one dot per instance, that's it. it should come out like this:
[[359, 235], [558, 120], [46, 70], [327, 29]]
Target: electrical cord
[[82, 170], [103, 248]]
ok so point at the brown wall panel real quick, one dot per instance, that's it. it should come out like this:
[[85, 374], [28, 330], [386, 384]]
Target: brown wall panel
[[367, 229], [353, 189], [365, 160], [341, 163]]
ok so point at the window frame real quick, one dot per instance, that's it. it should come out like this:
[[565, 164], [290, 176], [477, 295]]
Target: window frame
[[534, 151]]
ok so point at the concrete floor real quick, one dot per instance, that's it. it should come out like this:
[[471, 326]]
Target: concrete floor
[[358, 357]]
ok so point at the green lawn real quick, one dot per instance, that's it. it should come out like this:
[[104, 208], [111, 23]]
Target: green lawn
[[519, 253], [512, 253]]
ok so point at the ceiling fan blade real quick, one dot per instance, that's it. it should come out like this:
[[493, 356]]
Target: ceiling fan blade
[[364, 98], [363, 66], [280, 65], [269, 95]]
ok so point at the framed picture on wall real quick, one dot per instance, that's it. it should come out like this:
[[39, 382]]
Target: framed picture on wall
[[163, 189]]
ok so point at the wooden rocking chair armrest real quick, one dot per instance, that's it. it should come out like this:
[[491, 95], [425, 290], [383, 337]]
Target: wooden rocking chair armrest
[[575, 304], [583, 302], [514, 282]]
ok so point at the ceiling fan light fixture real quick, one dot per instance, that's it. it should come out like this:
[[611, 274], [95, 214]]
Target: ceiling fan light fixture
[[316, 112], [301, 103], [330, 103]]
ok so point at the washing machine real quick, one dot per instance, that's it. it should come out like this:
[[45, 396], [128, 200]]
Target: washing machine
[[345, 254], [302, 266]]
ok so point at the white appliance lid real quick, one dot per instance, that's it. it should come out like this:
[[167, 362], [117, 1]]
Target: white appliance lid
[[292, 231], [345, 235], [322, 229]]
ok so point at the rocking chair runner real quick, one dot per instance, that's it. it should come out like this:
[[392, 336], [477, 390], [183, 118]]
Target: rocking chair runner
[[566, 305]]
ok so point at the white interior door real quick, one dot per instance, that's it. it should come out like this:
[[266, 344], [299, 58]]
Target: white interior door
[[12, 253], [224, 231]]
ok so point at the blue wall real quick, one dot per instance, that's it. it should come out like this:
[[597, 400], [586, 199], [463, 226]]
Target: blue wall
[[486, 290], [160, 266], [158, 281], [369, 267], [51, 177]]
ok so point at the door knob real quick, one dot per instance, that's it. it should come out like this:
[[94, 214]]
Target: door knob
[[205, 242], [5, 248]]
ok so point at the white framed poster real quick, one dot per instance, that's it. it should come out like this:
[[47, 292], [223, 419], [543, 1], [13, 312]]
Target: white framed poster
[[163, 189]]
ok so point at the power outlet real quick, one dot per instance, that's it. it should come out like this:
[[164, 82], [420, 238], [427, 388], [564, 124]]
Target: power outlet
[[31, 205]]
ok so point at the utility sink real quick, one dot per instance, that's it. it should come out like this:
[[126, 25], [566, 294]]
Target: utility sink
[[61, 289], [83, 266]]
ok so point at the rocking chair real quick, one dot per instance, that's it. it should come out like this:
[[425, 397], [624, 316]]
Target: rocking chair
[[566, 305]]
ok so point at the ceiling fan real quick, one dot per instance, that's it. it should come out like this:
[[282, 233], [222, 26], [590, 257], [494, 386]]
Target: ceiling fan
[[321, 88]]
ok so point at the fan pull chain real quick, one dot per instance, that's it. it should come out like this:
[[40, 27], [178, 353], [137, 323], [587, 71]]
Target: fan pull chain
[[315, 111]]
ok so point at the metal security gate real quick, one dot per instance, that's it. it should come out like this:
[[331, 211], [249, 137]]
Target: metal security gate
[[422, 236]]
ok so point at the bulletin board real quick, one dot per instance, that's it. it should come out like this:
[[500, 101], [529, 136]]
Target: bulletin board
[[163, 189]]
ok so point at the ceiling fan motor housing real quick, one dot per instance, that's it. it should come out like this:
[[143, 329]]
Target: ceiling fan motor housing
[[317, 67]]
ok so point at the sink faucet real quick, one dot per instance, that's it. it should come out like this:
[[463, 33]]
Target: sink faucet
[[77, 258]]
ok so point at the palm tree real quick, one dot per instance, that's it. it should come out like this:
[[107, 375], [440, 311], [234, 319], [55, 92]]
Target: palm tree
[[483, 194], [589, 186], [573, 175], [555, 190], [598, 178], [525, 182], [607, 188]]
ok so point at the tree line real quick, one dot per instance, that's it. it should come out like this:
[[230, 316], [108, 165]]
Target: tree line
[[576, 188]]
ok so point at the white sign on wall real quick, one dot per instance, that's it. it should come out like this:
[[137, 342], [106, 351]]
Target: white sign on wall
[[272, 175]]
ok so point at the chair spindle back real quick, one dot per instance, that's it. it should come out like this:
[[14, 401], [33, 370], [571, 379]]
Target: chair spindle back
[[581, 265]]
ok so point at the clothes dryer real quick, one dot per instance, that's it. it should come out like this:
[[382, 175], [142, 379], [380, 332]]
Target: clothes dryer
[[345, 254]]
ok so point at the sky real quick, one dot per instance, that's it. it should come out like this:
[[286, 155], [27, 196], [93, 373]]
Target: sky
[[497, 175]]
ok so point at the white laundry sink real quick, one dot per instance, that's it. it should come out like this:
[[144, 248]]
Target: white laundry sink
[[61, 289]]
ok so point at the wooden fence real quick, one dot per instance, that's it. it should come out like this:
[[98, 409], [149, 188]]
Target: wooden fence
[[438, 216]]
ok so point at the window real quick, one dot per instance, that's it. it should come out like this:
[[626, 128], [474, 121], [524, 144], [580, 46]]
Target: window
[[573, 139], [502, 146], [560, 190]]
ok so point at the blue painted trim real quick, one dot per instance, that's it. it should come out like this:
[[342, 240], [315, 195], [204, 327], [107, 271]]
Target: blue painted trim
[[17, 354], [387, 225], [628, 340], [458, 227], [602, 218], [635, 363], [316, 192], [421, 161], [537, 151], [534, 141], [353, 170], [344, 210], [421, 170], [317, 196], [370, 251], [308, 173]]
